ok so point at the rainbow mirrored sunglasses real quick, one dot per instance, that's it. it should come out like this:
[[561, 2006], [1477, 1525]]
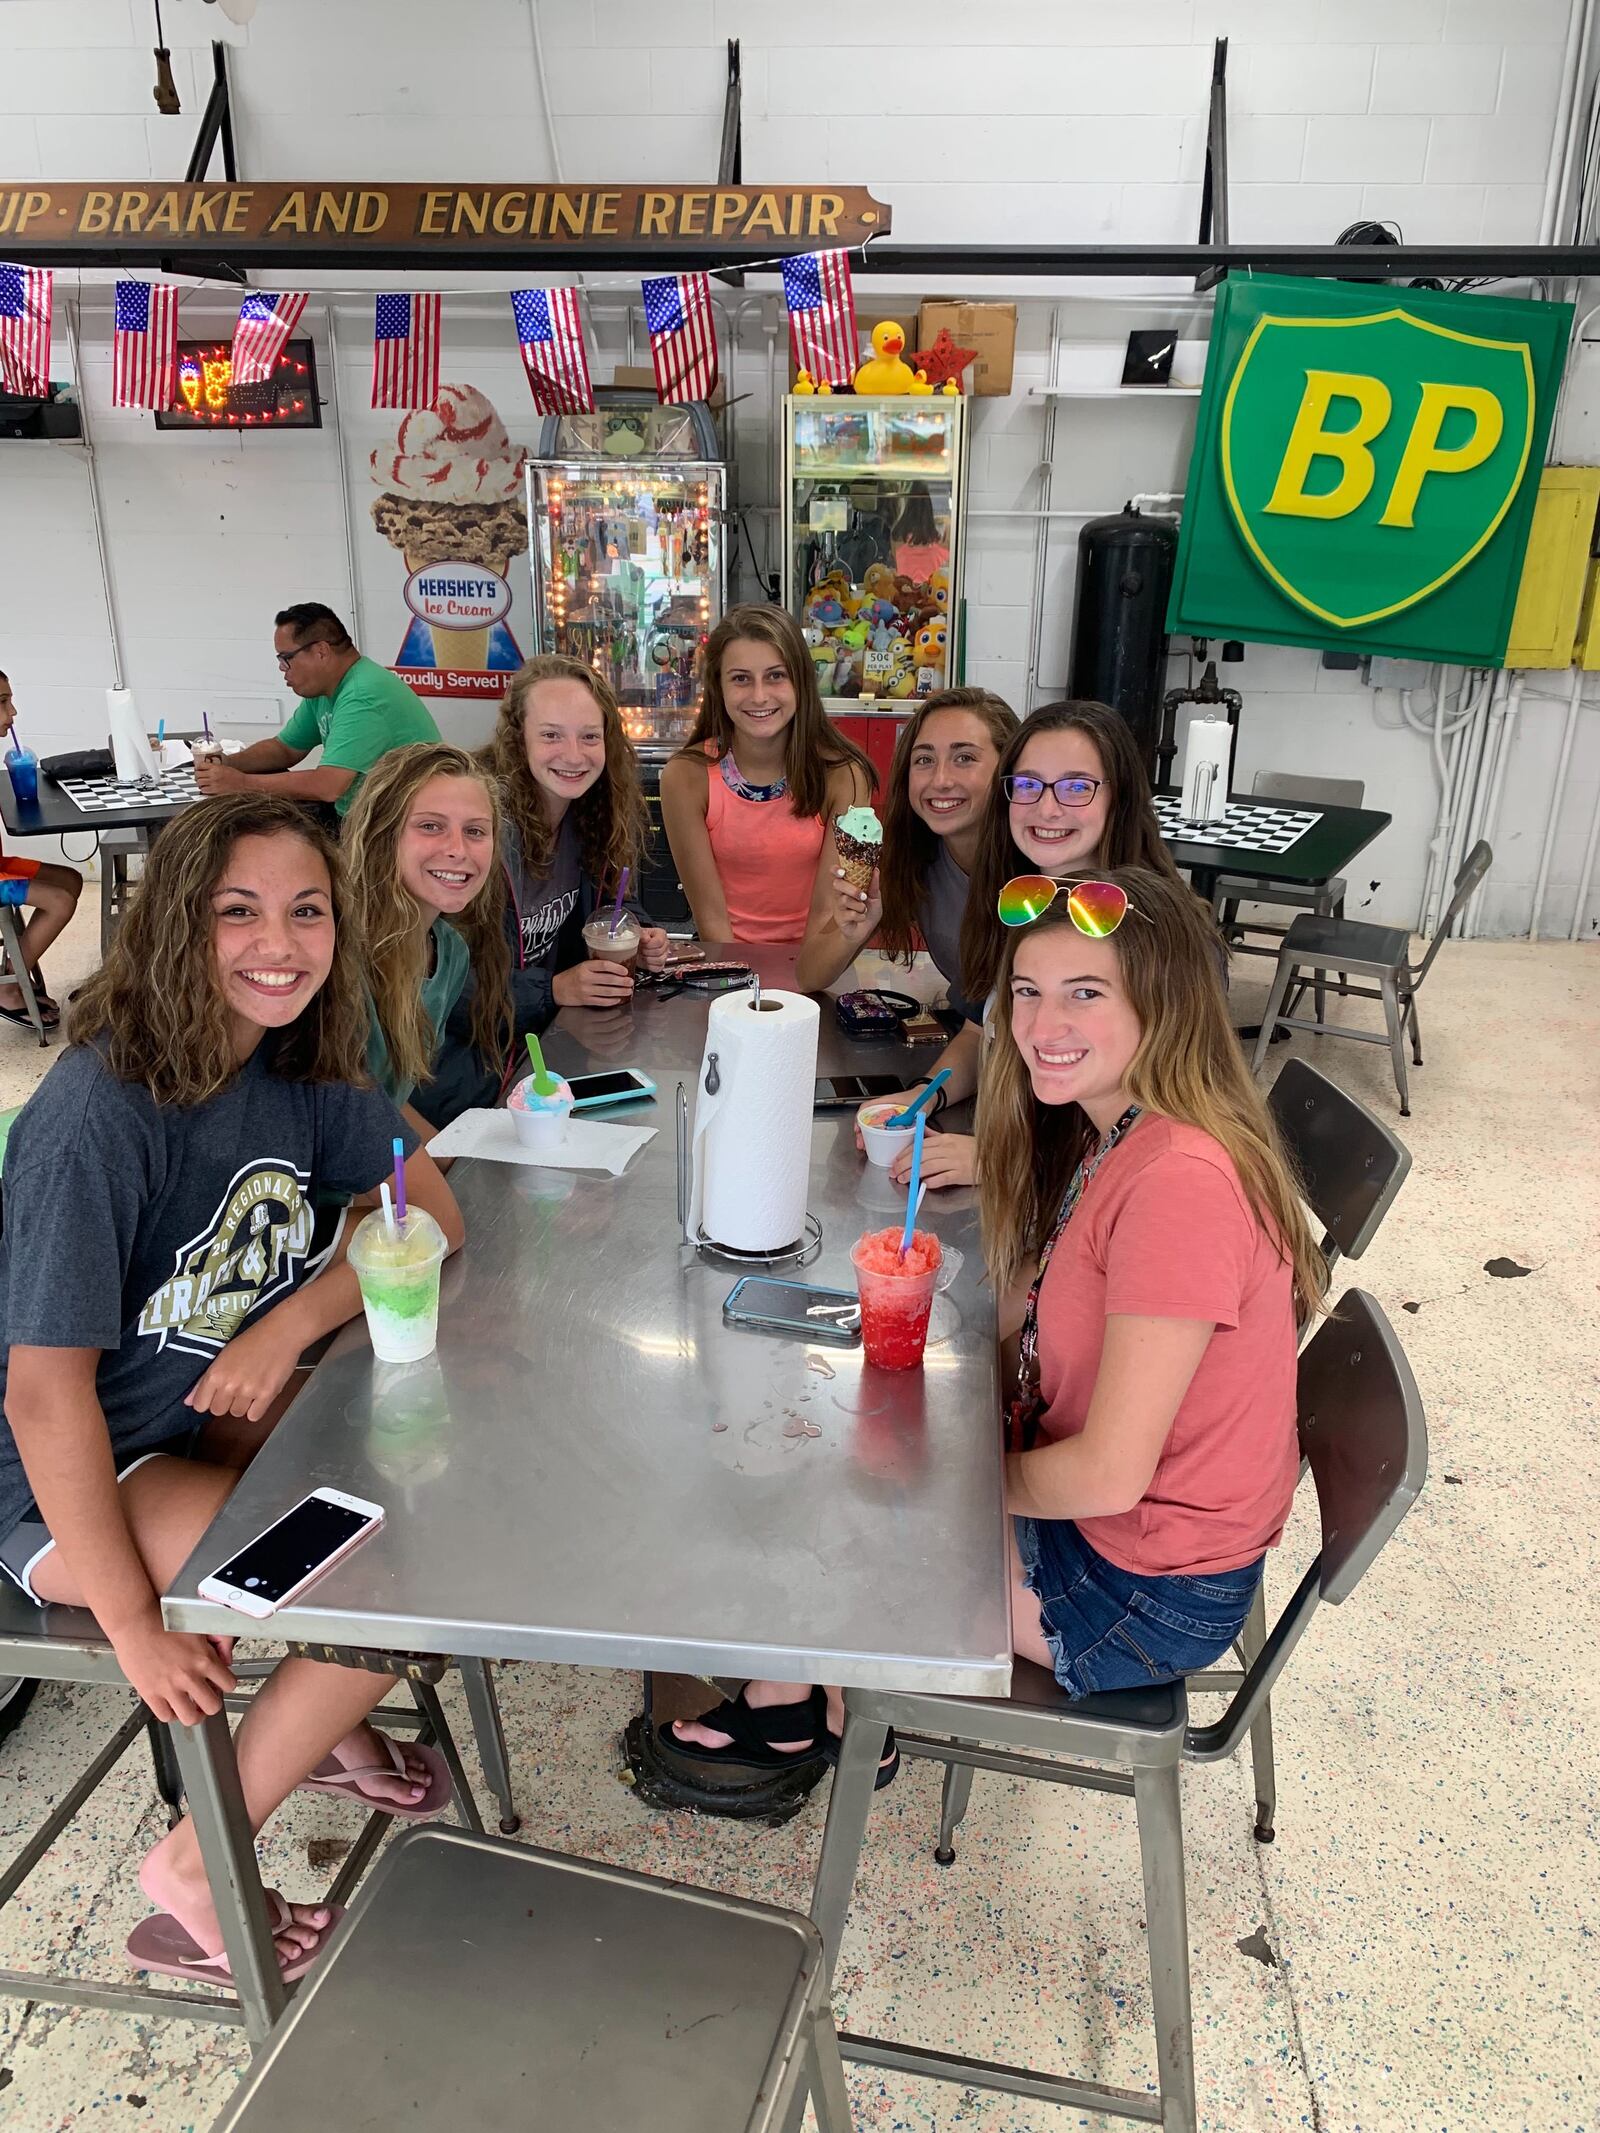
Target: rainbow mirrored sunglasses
[[1096, 908]]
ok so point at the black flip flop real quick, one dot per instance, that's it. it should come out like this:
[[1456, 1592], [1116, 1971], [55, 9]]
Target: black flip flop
[[21, 1017], [757, 1735]]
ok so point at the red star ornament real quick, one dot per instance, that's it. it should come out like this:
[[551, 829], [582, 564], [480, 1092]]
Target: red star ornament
[[943, 360]]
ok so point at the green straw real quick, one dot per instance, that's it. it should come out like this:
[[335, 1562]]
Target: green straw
[[544, 1082]]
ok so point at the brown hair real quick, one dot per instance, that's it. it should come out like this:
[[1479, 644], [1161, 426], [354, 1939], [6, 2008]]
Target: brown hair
[[611, 817], [1132, 838], [909, 845], [388, 918], [813, 744], [155, 1001], [1189, 1067]]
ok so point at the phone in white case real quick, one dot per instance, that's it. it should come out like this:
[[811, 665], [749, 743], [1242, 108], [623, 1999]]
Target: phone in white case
[[295, 1550]]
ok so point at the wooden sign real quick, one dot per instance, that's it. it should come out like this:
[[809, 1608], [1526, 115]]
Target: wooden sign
[[749, 221]]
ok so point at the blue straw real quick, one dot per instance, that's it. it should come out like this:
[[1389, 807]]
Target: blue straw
[[916, 1184], [904, 1118]]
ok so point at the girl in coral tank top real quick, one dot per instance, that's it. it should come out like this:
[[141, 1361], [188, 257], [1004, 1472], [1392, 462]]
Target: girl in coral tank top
[[750, 800]]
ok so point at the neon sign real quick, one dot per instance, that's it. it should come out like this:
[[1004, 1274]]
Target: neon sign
[[207, 398]]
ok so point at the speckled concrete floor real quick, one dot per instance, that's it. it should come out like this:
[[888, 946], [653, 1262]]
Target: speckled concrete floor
[[1419, 1943]]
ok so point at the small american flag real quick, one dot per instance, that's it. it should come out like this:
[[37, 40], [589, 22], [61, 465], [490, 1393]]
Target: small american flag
[[264, 325], [683, 336], [822, 315], [550, 332], [144, 345], [405, 351], [25, 330]]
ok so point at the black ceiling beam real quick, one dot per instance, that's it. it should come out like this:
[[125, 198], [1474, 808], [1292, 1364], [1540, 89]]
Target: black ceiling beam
[[216, 123], [924, 262]]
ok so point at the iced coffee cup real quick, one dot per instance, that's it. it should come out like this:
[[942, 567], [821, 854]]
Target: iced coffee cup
[[896, 1295], [397, 1264], [618, 946], [205, 751]]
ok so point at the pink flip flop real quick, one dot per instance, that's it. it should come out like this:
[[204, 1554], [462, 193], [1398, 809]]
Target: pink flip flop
[[331, 1776], [160, 1945]]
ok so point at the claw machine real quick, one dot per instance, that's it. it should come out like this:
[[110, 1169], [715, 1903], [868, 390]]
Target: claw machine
[[627, 509], [875, 491]]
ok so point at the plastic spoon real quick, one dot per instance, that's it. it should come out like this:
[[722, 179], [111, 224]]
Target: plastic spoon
[[544, 1082], [904, 1118], [914, 1189]]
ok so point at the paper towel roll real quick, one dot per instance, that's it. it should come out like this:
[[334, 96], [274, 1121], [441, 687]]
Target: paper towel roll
[[752, 1121], [130, 744], [1207, 746]]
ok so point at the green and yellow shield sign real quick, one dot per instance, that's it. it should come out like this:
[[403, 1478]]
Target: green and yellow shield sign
[[1365, 467]]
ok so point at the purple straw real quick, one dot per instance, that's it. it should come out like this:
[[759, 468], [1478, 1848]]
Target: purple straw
[[400, 1179], [616, 908], [205, 721]]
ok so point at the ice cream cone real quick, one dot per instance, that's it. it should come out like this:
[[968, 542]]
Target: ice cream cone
[[459, 651], [858, 856]]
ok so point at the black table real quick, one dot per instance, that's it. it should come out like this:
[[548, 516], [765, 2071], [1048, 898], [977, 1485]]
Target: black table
[[1323, 851], [55, 814]]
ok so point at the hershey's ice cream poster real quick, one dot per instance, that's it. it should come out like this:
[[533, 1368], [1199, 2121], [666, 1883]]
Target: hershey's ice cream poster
[[447, 604]]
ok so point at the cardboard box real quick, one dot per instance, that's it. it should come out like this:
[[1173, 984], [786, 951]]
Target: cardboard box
[[990, 328]]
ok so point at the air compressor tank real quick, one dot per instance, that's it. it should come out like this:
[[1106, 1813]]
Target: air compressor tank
[[1119, 623]]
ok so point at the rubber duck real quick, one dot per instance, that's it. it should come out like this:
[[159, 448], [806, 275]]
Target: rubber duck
[[919, 384], [885, 370], [950, 389], [824, 388], [804, 384]]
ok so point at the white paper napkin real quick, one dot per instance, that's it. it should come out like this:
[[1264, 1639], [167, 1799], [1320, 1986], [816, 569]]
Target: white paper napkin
[[492, 1135]]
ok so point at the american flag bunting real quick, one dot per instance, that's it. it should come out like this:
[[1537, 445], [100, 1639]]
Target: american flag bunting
[[405, 351], [550, 335], [144, 344], [822, 315], [264, 324], [683, 336], [25, 330]]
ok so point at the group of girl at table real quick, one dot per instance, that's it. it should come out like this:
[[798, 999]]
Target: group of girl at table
[[276, 1012]]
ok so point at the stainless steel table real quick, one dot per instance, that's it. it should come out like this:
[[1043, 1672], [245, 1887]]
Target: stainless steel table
[[779, 1509]]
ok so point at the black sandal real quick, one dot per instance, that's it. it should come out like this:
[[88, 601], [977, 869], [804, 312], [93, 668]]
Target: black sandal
[[888, 1765], [758, 1735]]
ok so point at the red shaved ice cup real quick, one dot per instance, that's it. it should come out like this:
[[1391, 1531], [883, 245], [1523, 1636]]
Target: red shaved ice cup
[[896, 1295]]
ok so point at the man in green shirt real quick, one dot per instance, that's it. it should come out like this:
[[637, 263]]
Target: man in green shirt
[[353, 708]]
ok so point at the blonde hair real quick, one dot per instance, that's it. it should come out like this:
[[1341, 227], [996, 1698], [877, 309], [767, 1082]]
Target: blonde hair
[[1188, 1067], [155, 1003], [813, 745], [388, 918], [612, 819]]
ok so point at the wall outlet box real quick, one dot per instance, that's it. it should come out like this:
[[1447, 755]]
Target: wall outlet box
[[1396, 674]]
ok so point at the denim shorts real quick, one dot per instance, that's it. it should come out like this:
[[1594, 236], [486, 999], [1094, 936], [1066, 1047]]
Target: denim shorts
[[1111, 1629]]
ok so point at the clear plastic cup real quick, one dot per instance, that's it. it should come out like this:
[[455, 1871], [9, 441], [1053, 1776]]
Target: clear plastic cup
[[398, 1269], [896, 1295], [619, 947], [206, 751], [540, 1121], [882, 1141]]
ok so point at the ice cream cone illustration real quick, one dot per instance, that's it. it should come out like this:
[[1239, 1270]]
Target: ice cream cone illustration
[[452, 494], [858, 837]]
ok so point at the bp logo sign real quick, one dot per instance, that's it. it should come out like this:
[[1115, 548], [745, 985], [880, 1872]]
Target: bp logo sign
[[1364, 470]]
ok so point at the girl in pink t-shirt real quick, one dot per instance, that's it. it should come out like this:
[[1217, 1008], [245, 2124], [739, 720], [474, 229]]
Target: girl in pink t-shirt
[[750, 800], [1129, 1171]]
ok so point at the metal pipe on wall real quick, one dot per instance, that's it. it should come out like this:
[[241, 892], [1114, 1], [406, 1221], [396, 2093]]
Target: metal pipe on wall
[[1471, 918], [1558, 793], [337, 426], [107, 587], [1586, 876], [1041, 539]]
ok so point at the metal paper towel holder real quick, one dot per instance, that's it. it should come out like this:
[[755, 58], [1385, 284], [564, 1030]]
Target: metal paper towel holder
[[805, 1247]]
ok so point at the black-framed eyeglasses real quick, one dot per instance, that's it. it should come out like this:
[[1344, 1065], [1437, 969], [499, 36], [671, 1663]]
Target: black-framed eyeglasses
[[287, 659], [1069, 792]]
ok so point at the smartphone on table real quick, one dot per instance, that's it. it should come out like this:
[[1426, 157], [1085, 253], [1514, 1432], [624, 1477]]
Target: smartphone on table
[[765, 1305], [848, 1092], [280, 1563], [619, 1085]]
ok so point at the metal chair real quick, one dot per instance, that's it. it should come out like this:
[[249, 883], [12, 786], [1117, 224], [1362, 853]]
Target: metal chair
[[1316, 945], [477, 1983], [1349, 1167], [1364, 1437], [67, 1644], [1233, 889], [16, 964]]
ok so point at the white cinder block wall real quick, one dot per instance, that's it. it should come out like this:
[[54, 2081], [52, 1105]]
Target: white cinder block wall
[[1023, 119]]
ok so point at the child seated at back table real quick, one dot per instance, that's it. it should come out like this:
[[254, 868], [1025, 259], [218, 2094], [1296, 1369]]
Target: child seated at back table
[[158, 1286], [51, 890]]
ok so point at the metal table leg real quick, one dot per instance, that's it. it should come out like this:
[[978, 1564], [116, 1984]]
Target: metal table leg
[[849, 1808], [484, 1706], [227, 1848]]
